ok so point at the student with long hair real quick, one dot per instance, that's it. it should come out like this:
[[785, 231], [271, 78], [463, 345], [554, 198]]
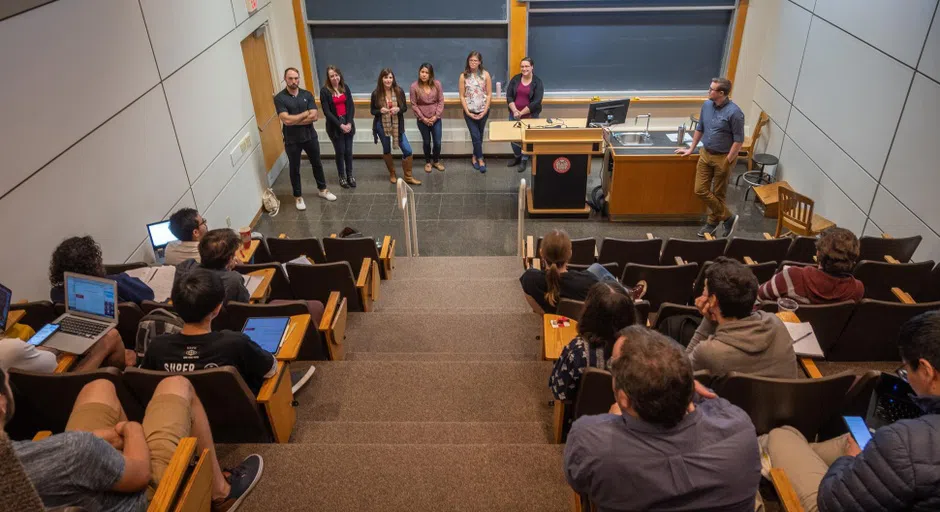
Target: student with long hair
[[544, 288], [427, 102], [340, 110], [389, 106], [476, 91]]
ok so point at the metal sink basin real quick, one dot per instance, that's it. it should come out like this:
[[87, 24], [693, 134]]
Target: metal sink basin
[[633, 139]]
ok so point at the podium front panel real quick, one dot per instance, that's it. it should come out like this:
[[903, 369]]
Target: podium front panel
[[559, 181]]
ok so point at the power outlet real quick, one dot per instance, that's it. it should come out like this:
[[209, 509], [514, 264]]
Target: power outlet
[[236, 154], [245, 143], [228, 222]]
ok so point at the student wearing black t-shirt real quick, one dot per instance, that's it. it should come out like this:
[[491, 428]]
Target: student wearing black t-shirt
[[197, 298], [544, 288]]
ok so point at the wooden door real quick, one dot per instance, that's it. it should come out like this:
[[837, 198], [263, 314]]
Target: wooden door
[[255, 53]]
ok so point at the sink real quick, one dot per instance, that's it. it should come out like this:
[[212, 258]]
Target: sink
[[633, 139]]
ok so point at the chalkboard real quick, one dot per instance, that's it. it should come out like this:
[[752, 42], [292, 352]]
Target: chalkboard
[[386, 10], [555, 4], [362, 51], [631, 51]]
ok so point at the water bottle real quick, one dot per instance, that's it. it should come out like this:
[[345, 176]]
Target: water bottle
[[499, 89], [680, 139]]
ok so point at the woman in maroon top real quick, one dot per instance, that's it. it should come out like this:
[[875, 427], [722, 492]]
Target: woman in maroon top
[[339, 109], [524, 96], [427, 101]]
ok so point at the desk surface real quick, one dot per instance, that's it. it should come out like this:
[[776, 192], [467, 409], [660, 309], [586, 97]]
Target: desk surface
[[554, 339], [14, 316], [263, 289], [245, 255], [296, 331], [507, 131]]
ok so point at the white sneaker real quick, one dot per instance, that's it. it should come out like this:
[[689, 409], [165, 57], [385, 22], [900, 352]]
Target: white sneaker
[[300, 204], [326, 194]]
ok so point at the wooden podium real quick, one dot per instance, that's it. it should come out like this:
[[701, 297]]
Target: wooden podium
[[560, 161]]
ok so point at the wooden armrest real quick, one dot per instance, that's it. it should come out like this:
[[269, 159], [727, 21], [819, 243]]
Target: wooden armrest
[[558, 419], [364, 272], [294, 337], [815, 259], [903, 296], [649, 236], [376, 279], [709, 236], [885, 235], [173, 476], [332, 235], [386, 255], [364, 284], [891, 259], [749, 261], [333, 325], [788, 497], [529, 247], [767, 236], [679, 260], [809, 368], [66, 361], [277, 397], [537, 264], [42, 434], [282, 235]]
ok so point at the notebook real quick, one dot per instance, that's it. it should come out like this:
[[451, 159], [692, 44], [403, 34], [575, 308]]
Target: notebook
[[804, 340]]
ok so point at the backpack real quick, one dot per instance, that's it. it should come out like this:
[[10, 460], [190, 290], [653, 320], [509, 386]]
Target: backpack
[[270, 202], [153, 324], [680, 328]]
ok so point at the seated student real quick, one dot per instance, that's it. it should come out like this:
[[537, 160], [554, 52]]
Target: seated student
[[197, 299], [103, 462], [733, 337], [899, 469], [607, 309], [217, 251], [188, 227], [830, 281], [82, 255], [108, 351], [663, 446], [544, 288]]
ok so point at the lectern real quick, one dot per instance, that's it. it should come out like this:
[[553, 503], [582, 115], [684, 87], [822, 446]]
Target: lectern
[[560, 161]]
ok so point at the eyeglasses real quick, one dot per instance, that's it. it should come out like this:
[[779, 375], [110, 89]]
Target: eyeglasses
[[203, 223], [712, 89], [902, 373]]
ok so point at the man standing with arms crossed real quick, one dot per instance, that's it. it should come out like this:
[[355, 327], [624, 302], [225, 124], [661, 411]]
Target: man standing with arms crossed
[[298, 110], [721, 130]]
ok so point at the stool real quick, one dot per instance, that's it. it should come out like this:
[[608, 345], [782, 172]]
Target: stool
[[758, 177]]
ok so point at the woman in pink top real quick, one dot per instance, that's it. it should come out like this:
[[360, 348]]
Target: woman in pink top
[[337, 103], [427, 102]]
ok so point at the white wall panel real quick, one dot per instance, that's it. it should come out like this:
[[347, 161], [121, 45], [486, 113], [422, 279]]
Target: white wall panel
[[786, 37], [240, 199], [853, 93], [67, 67], [771, 140], [221, 170], [809, 4], [852, 179], [912, 174], [872, 229], [80, 191], [776, 106], [898, 221], [930, 60], [241, 9], [210, 100], [897, 28], [180, 29], [284, 39]]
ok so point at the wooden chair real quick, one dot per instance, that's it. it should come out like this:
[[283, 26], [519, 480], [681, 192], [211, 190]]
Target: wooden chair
[[570, 308], [263, 252], [757, 249], [665, 283], [621, 252], [117, 268], [789, 263], [670, 309], [280, 284], [38, 313], [802, 249], [879, 277], [931, 290], [875, 248], [315, 282], [762, 271], [611, 267], [828, 320], [795, 214], [691, 251], [872, 331], [583, 250], [284, 249], [355, 250], [235, 413], [750, 142]]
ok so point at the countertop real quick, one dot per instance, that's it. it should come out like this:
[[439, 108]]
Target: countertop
[[661, 145]]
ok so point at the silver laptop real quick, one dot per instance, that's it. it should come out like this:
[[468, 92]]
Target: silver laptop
[[90, 311]]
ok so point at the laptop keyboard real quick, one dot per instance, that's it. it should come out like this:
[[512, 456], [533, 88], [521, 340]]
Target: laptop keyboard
[[80, 327], [891, 410]]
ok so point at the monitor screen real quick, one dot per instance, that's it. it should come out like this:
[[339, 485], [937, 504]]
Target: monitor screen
[[605, 113], [267, 332], [91, 296], [160, 234], [5, 298]]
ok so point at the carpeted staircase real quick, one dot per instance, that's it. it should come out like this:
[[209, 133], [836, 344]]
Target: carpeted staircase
[[441, 404]]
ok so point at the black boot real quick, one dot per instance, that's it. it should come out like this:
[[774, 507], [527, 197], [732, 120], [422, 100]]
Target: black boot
[[342, 182], [350, 179], [515, 161]]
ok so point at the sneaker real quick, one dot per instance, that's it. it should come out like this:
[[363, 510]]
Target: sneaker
[[326, 194], [707, 228], [522, 166], [299, 202], [351, 181], [475, 164], [242, 478], [515, 161], [482, 168], [343, 183], [729, 225]]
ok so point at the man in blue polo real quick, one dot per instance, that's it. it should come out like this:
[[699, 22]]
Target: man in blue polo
[[721, 131]]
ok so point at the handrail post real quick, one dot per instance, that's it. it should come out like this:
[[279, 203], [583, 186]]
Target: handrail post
[[520, 211], [405, 195]]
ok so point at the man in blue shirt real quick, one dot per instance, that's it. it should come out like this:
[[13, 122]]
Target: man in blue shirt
[[721, 131], [662, 447]]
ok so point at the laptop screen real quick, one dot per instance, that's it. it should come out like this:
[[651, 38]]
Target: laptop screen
[[266, 331], [160, 234], [91, 296], [5, 298]]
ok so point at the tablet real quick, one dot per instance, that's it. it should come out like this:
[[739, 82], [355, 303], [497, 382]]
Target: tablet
[[267, 332]]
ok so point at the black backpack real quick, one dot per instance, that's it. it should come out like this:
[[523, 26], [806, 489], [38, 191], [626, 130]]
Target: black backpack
[[153, 324], [680, 328]]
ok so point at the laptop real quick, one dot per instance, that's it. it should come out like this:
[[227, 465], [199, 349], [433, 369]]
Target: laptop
[[891, 401], [6, 298], [267, 332], [90, 312], [160, 235]]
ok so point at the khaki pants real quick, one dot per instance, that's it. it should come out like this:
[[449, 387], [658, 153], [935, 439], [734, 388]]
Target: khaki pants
[[712, 170], [805, 463]]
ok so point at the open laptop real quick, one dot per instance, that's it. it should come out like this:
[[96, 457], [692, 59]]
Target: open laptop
[[160, 236], [890, 402], [90, 311], [6, 297]]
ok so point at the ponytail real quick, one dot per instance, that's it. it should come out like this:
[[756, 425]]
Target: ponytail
[[553, 284]]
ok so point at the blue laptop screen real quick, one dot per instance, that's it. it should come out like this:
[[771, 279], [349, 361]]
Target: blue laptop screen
[[91, 296], [267, 331], [160, 234], [5, 296]]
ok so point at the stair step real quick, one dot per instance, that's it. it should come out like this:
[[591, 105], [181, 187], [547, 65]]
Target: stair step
[[415, 432], [442, 356], [412, 478], [426, 391], [497, 295], [457, 267]]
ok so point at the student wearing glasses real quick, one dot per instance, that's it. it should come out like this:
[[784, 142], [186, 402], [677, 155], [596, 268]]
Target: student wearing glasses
[[427, 102], [524, 96], [188, 227], [338, 107], [476, 91]]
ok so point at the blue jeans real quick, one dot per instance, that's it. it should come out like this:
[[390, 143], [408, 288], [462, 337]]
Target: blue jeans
[[516, 147], [476, 133], [431, 135], [602, 274], [387, 141]]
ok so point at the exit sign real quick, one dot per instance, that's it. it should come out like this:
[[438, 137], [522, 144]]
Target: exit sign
[[252, 5]]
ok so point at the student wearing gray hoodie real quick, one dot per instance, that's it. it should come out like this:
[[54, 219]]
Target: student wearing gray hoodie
[[733, 337]]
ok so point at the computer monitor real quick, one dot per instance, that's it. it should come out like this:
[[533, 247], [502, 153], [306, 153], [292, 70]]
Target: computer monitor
[[160, 234], [6, 297], [606, 113]]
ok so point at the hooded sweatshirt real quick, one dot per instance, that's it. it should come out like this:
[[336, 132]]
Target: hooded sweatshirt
[[811, 285], [758, 345]]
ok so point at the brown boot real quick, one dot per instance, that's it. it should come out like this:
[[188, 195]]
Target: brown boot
[[390, 165], [406, 166]]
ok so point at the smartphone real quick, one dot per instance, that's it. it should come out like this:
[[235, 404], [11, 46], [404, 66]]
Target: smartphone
[[858, 429], [43, 334]]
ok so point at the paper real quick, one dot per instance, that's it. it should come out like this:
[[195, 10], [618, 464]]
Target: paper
[[252, 283], [674, 137], [804, 339], [143, 273], [299, 260], [159, 279]]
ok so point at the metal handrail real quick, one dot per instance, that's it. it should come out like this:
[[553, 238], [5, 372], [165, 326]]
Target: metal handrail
[[406, 203], [520, 212]]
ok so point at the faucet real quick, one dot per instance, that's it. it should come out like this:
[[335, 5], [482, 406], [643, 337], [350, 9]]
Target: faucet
[[646, 134]]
